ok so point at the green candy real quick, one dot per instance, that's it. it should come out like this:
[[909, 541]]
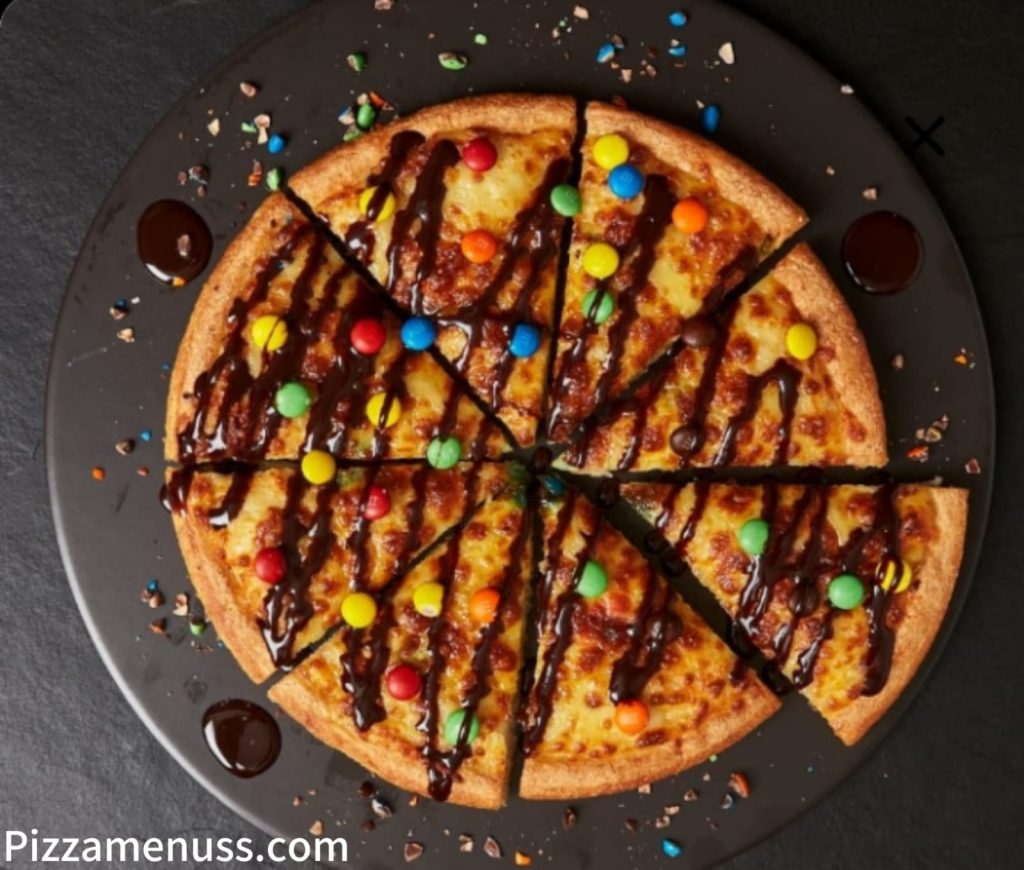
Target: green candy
[[351, 134], [453, 724], [593, 580], [365, 116], [480, 39], [754, 536], [274, 178], [452, 60], [605, 306], [846, 591], [444, 453], [565, 199], [357, 61], [196, 626], [292, 399]]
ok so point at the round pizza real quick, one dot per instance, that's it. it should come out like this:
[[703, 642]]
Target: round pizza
[[399, 374]]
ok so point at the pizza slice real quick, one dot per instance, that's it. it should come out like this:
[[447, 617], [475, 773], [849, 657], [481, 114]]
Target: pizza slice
[[458, 212], [424, 694], [289, 351], [842, 587], [630, 684], [669, 225], [781, 376], [272, 555]]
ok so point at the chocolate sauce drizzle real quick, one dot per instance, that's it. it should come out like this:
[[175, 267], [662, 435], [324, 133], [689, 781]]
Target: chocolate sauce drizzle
[[242, 736], [804, 568]]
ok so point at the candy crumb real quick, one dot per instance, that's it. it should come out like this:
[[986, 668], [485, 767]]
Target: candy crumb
[[581, 12], [412, 851], [897, 361], [317, 828], [466, 843], [492, 848], [690, 795], [972, 466], [522, 859], [644, 789], [870, 193], [248, 89], [727, 53], [846, 90], [98, 472], [568, 819], [739, 784], [214, 127]]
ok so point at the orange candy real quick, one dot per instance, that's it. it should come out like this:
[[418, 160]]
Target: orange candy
[[690, 215], [479, 246], [483, 606], [631, 717]]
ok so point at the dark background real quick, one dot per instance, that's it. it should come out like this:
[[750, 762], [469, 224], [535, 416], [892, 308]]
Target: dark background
[[82, 82]]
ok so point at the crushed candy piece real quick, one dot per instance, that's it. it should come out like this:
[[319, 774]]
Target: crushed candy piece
[[522, 859], [356, 61], [739, 784], [452, 60], [920, 453], [248, 89], [605, 52], [127, 335], [897, 361], [492, 848], [846, 90], [727, 53], [972, 466], [214, 127], [710, 118], [870, 194], [411, 851], [568, 819], [274, 178], [465, 843], [317, 828], [581, 12], [671, 848], [124, 446]]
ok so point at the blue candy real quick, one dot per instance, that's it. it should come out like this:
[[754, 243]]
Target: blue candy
[[671, 848], [525, 340], [710, 117], [677, 18], [605, 53], [677, 50], [146, 434], [276, 143], [626, 181], [553, 485], [418, 333], [152, 586]]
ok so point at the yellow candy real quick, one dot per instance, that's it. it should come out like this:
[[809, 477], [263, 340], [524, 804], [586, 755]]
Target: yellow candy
[[359, 609], [801, 341], [386, 210], [318, 466], [600, 261], [269, 332], [376, 405], [889, 568], [427, 598], [611, 151]]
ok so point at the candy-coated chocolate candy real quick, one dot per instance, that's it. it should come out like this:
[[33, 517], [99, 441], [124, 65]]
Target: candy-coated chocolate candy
[[710, 118], [600, 260], [625, 181], [453, 725], [801, 341], [292, 399], [631, 717], [403, 682], [359, 609], [598, 305], [375, 409], [846, 591], [444, 453], [484, 604], [269, 332], [671, 848], [553, 485], [690, 215], [418, 333], [378, 503], [888, 572], [384, 210], [525, 340], [479, 246], [428, 598], [365, 116], [565, 199], [276, 143], [368, 336], [610, 151], [318, 467], [593, 580], [754, 536], [479, 154], [677, 18], [270, 565]]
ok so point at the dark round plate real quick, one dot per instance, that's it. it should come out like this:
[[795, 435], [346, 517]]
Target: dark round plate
[[780, 111]]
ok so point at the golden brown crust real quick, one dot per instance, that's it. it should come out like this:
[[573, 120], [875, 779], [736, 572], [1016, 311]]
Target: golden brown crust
[[240, 633], [922, 619], [775, 212], [350, 164], [820, 302], [206, 327], [556, 779], [378, 750]]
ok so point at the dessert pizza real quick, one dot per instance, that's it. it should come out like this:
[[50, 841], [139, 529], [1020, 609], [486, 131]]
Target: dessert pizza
[[842, 587], [392, 381]]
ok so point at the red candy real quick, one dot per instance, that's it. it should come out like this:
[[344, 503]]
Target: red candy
[[378, 503], [270, 565], [479, 154], [368, 336], [403, 682]]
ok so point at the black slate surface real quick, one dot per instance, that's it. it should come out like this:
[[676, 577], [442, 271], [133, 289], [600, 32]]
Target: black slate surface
[[82, 82]]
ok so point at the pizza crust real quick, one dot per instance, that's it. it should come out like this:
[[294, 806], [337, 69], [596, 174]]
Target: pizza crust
[[554, 779], [204, 335], [820, 302], [775, 212], [347, 166], [921, 622]]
